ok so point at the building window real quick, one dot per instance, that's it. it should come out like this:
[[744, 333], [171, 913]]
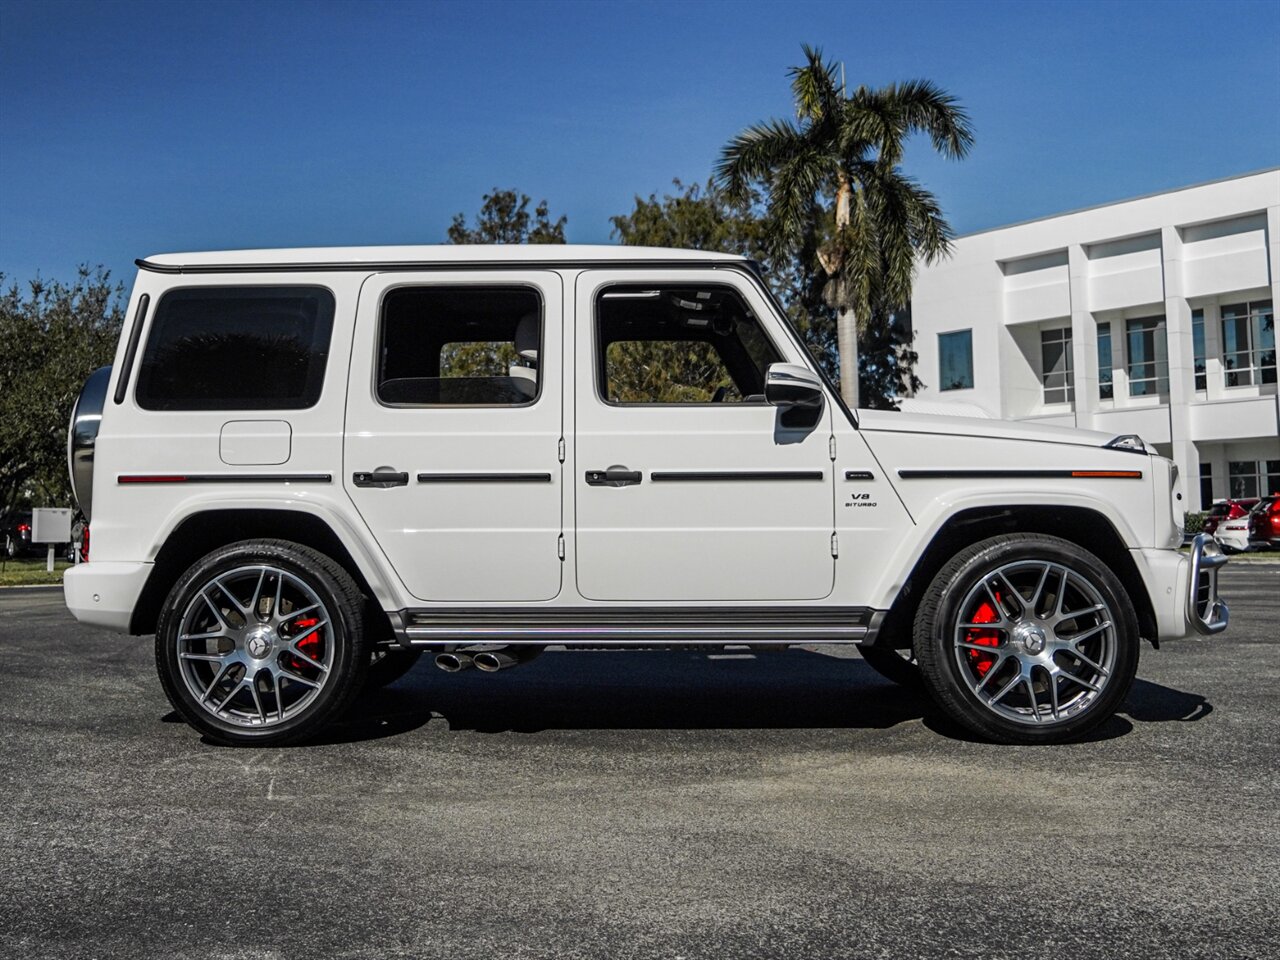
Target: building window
[[1106, 389], [1249, 343], [1206, 485], [1055, 364], [1197, 340], [1252, 478], [955, 360], [1148, 357]]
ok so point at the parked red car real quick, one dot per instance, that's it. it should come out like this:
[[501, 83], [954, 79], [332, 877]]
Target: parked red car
[[1227, 510], [1264, 524]]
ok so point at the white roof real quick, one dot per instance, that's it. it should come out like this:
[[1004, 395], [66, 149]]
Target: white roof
[[438, 253]]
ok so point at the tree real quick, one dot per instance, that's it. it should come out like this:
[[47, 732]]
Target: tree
[[52, 336], [505, 218], [835, 186]]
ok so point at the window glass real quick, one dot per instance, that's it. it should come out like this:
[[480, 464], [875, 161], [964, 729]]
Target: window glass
[[677, 344], [1106, 389], [1249, 343], [1055, 364], [1148, 357], [1242, 479], [1273, 476], [237, 348], [1206, 485], [460, 346], [1197, 341], [955, 360]]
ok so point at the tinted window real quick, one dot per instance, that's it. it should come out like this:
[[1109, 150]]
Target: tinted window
[[955, 360], [460, 346], [237, 348], [679, 344]]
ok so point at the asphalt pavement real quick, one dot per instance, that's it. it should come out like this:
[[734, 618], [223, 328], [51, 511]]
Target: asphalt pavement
[[639, 805]]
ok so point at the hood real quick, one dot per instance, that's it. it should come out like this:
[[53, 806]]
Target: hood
[[887, 421]]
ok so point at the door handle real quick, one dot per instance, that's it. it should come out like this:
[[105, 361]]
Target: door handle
[[380, 478], [615, 476]]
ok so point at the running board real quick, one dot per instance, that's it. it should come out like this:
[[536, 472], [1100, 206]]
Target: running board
[[638, 626]]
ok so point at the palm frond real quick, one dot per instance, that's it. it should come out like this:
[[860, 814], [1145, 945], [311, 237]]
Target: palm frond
[[753, 155], [923, 106], [814, 88]]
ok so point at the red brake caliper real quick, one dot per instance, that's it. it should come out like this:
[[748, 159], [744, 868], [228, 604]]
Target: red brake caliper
[[982, 662], [310, 644]]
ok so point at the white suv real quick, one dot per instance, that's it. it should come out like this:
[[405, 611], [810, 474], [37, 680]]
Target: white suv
[[307, 467]]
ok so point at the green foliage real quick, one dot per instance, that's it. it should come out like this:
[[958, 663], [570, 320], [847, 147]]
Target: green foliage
[[835, 189], [505, 218], [1195, 523], [52, 336]]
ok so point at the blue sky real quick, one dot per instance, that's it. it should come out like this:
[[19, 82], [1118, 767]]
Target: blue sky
[[136, 128]]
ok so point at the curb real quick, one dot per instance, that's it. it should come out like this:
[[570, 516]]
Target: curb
[[30, 587]]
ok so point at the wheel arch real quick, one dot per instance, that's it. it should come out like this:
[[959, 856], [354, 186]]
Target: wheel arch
[[205, 530], [1087, 528]]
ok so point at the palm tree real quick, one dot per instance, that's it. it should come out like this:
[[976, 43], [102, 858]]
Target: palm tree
[[848, 148]]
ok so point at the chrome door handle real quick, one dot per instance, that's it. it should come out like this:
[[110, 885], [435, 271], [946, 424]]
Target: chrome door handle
[[615, 476], [380, 478]]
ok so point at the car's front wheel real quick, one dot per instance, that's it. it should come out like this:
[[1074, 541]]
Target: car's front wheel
[[262, 642], [1027, 638]]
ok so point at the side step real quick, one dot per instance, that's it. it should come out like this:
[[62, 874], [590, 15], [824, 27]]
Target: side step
[[638, 626]]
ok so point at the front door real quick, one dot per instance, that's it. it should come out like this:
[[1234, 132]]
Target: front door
[[688, 486], [453, 429]]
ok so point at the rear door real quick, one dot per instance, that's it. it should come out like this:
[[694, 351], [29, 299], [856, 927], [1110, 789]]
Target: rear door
[[688, 486], [453, 430]]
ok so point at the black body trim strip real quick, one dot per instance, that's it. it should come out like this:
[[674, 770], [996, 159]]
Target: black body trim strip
[[139, 318], [859, 475], [225, 478], [1015, 474], [484, 478], [730, 475]]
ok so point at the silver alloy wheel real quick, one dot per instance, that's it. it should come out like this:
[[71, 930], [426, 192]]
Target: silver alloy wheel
[[1035, 642], [255, 646]]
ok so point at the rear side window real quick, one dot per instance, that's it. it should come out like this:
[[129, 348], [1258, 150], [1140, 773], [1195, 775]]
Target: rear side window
[[237, 348], [460, 346]]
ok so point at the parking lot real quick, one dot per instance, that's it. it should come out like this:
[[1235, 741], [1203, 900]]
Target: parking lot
[[656, 805]]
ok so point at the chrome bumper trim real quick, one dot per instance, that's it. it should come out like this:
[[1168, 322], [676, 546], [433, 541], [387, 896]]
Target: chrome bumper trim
[[1206, 611]]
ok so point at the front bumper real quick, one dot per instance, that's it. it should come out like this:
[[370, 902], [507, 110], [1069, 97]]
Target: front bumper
[[1183, 588], [104, 594], [1206, 611]]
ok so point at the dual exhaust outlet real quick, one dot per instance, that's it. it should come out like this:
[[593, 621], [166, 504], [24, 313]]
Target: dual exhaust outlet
[[488, 661]]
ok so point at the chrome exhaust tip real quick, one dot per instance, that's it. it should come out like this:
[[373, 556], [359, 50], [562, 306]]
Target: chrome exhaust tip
[[453, 662], [491, 661]]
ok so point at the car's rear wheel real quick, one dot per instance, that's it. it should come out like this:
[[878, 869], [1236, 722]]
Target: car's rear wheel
[[262, 642], [1027, 638]]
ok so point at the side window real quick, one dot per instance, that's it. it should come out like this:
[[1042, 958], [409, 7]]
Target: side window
[[460, 346], [658, 344], [237, 348]]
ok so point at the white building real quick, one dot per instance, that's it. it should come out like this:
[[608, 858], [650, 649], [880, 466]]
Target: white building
[[1153, 316]]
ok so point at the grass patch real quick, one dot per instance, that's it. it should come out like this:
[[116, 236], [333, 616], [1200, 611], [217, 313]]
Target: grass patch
[[29, 572]]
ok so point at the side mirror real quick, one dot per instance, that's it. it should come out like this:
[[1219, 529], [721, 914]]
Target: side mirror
[[796, 391]]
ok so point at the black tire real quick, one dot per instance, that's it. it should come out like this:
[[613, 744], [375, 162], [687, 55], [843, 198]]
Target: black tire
[[898, 666], [348, 656], [1019, 648], [387, 665]]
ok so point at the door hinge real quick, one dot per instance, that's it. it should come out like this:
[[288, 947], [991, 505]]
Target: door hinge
[[560, 546], [560, 450], [832, 446], [835, 545]]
